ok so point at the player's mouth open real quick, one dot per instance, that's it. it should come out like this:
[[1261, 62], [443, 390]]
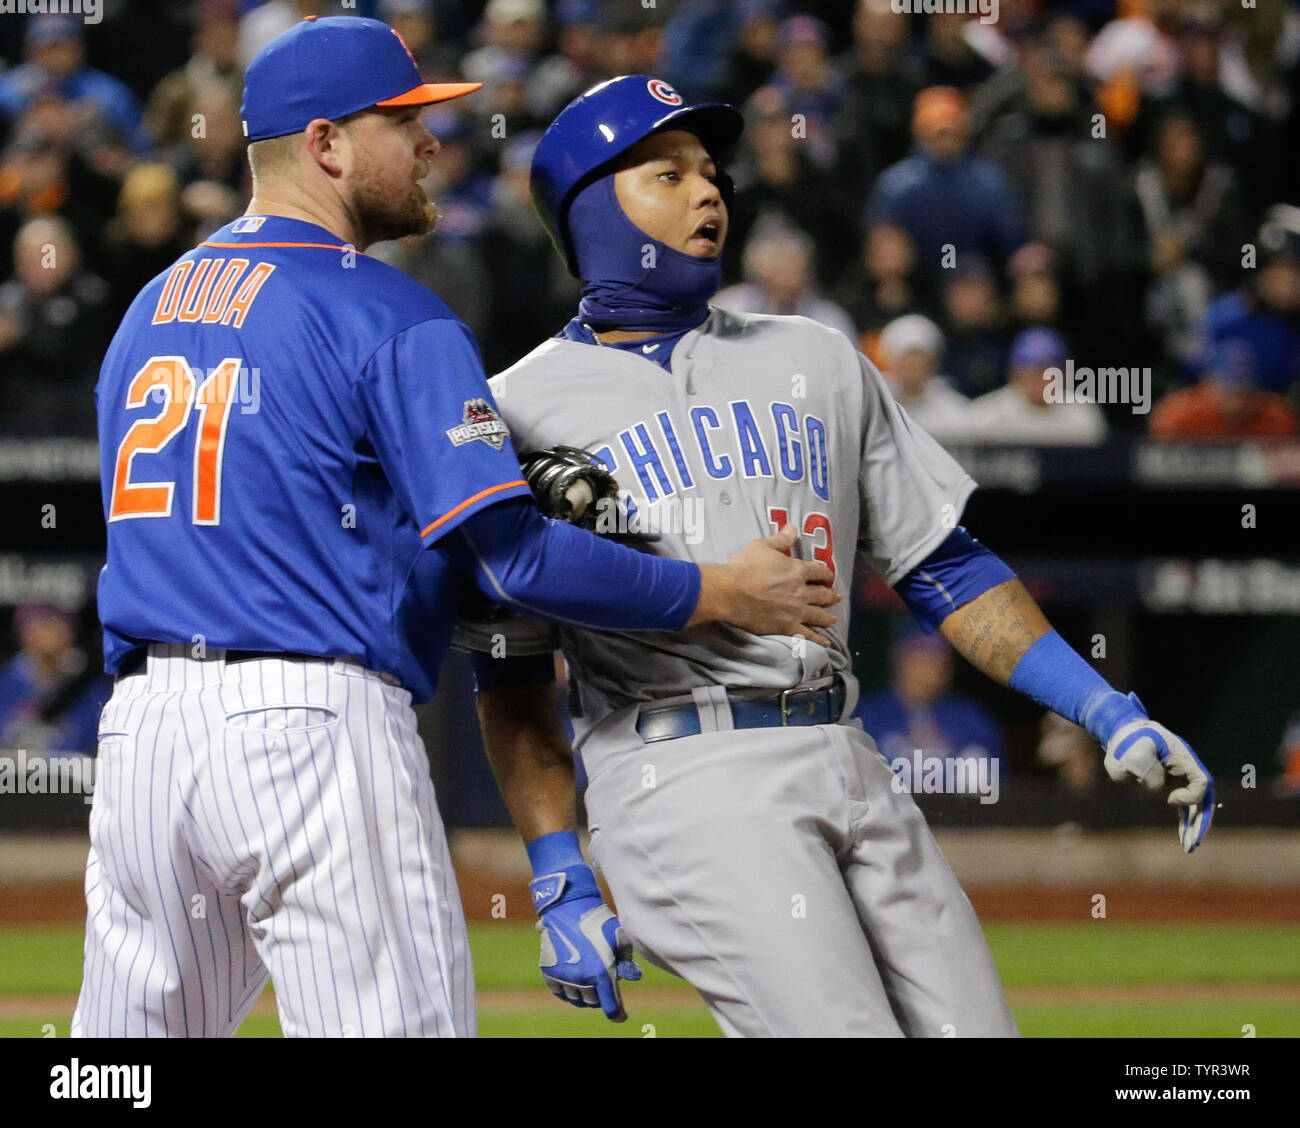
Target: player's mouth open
[[706, 236]]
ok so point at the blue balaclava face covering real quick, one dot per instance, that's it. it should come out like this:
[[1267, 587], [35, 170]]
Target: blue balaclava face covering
[[634, 281]]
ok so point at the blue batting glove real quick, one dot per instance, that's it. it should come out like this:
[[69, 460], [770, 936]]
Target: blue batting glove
[[1143, 750], [585, 951]]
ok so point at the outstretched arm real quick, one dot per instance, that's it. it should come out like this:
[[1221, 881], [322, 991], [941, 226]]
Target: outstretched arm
[[980, 607], [550, 569], [995, 630]]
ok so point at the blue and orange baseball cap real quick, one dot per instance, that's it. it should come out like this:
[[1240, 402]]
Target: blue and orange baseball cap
[[329, 68]]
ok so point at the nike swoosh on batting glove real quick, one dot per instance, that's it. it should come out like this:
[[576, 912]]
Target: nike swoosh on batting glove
[[585, 951], [1146, 751]]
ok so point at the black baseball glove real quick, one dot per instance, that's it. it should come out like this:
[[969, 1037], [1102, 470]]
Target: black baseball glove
[[571, 485]]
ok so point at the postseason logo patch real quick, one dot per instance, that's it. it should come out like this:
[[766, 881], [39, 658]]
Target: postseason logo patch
[[481, 423]]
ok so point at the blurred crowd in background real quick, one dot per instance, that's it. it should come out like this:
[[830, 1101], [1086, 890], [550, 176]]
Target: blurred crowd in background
[[1111, 183], [1095, 184]]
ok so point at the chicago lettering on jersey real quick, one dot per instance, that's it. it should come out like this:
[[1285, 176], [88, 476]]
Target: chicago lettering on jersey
[[736, 441], [211, 291]]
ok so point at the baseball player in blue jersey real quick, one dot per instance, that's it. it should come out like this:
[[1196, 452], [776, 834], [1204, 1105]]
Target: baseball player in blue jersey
[[286, 425], [751, 834]]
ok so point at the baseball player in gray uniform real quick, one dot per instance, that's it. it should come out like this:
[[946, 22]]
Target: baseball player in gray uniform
[[753, 837]]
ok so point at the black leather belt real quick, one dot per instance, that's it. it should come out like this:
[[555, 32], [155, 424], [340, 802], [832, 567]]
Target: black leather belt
[[133, 663], [799, 707]]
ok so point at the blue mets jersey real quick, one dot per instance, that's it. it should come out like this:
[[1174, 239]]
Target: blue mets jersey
[[284, 424]]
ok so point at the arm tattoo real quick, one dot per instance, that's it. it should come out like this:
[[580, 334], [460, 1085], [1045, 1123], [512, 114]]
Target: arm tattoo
[[993, 631]]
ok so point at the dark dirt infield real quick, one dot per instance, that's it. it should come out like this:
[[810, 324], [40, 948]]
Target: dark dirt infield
[[63, 902]]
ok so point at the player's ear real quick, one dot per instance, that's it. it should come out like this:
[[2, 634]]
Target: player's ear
[[328, 145]]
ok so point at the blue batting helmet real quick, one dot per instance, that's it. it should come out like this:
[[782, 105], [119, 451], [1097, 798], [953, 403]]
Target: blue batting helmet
[[603, 123]]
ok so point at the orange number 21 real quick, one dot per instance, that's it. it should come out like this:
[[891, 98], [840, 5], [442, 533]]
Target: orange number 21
[[171, 380]]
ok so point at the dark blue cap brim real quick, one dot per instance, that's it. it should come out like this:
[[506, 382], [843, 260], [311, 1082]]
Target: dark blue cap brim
[[717, 124]]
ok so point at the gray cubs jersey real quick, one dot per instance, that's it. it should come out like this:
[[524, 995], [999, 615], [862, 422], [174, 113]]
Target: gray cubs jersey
[[762, 421]]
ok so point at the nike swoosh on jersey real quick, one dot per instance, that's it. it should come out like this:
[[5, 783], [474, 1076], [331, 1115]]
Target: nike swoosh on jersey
[[650, 348]]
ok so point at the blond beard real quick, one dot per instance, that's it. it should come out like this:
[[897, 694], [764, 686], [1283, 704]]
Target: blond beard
[[381, 217]]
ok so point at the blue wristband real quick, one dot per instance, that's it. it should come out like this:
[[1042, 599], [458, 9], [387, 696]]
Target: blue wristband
[[554, 852], [1055, 676], [561, 873]]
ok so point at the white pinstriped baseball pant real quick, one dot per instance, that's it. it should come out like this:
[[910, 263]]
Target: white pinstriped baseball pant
[[270, 817]]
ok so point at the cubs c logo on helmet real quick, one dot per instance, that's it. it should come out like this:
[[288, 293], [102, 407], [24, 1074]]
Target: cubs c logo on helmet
[[660, 90], [604, 122]]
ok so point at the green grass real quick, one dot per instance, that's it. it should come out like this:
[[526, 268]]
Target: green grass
[[42, 960], [692, 1021], [1050, 955], [1192, 1019], [546, 1021], [1183, 962]]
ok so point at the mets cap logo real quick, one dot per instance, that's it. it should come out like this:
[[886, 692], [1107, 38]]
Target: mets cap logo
[[403, 43], [664, 93], [481, 423]]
